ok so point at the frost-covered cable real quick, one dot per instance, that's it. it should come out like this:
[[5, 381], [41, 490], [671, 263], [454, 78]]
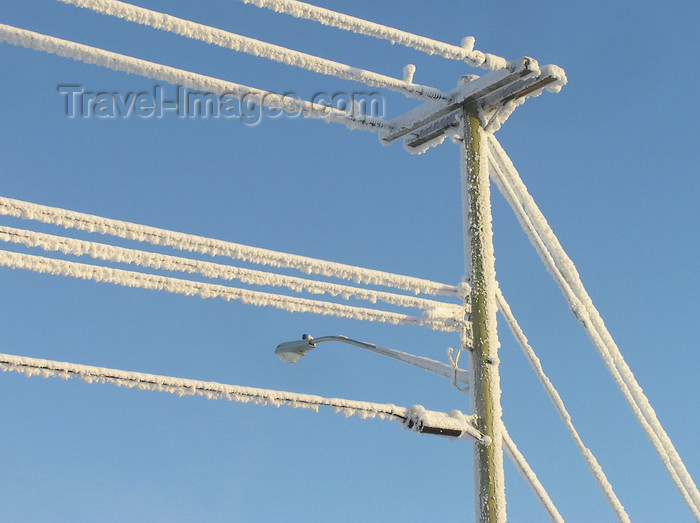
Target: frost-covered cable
[[189, 387], [503, 113], [567, 277], [128, 64], [395, 36], [415, 417], [228, 40], [530, 477], [564, 272], [503, 182], [213, 247], [101, 251], [589, 458], [124, 278]]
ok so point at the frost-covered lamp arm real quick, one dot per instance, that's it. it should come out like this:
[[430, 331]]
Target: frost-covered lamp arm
[[292, 351]]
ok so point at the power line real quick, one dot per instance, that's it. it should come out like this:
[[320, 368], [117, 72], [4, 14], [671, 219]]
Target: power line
[[236, 42], [591, 462], [101, 251], [209, 84], [564, 272], [415, 418], [357, 25], [210, 246], [530, 477], [125, 278]]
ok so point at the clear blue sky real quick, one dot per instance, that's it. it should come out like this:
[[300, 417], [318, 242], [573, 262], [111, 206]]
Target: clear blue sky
[[612, 161]]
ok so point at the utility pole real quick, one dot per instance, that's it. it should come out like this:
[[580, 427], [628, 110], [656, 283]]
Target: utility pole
[[489, 481], [463, 106]]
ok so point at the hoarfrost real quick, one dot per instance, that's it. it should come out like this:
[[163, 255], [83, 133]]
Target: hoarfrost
[[208, 290], [150, 260], [408, 72], [420, 149], [565, 274], [221, 38], [364, 27], [128, 64], [589, 458], [209, 246], [213, 390], [530, 477]]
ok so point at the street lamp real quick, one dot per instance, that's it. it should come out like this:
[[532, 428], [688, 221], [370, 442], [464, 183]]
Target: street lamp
[[292, 351]]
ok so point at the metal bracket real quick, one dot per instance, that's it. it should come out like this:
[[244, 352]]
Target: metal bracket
[[429, 121]]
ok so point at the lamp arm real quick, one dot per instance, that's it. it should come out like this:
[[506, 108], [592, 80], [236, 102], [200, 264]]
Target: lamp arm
[[433, 366]]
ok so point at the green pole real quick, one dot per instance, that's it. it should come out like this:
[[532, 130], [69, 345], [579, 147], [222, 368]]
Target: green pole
[[489, 489]]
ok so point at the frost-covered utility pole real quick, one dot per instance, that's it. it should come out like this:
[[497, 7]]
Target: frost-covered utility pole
[[489, 480], [481, 104]]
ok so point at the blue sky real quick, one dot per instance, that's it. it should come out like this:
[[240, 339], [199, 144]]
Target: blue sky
[[612, 161]]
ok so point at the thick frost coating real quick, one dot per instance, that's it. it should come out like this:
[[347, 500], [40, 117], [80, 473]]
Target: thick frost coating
[[395, 36], [188, 387], [417, 418], [591, 461], [124, 278], [426, 145], [502, 114], [210, 246], [530, 477], [493, 112], [564, 272], [427, 112], [212, 390], [494, 95], [496, 120], [128, 64], [221, 38], [100, 251], [408, 71]]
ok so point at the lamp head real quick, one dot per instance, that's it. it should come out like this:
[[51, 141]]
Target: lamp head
[[292, 351]]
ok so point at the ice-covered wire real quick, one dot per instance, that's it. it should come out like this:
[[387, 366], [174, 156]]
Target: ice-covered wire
[[226, 39], [602, 481], [505, 186], [357, 25], [125, 278], [564, 272], [530, 477], [189, 387], [128, 64], [589, 458], [415, 417], [213, 247], [101, 251]]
